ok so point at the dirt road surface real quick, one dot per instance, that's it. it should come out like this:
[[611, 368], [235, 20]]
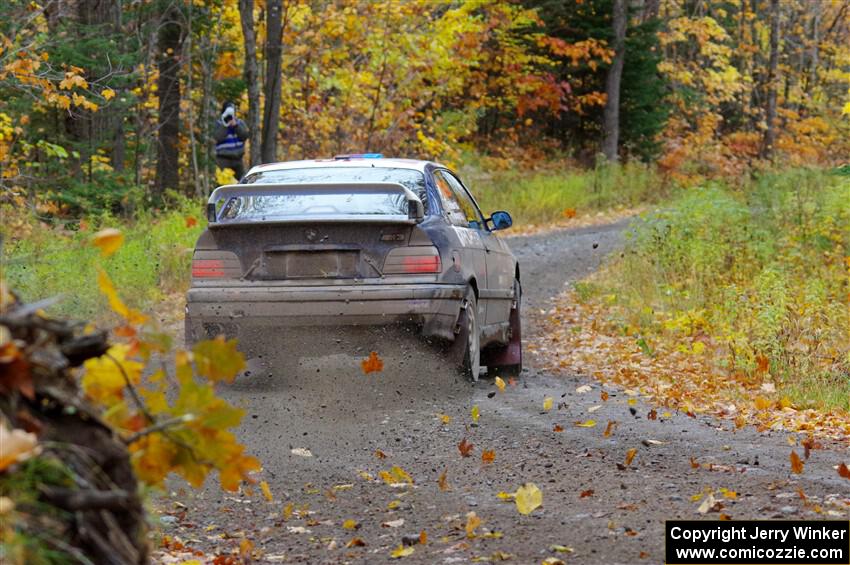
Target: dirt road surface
[[330, 410]]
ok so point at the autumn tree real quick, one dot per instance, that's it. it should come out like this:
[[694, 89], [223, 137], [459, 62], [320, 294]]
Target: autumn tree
[[170, 38], [611, 116]]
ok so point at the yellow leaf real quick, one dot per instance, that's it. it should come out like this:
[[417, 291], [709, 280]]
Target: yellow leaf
[[108, 240], [115, 303], [350, 524], [287, 511], [472, 522], [502, 495], [104, 376], [401, 551], [108, 93], [630, 455], [393, 504], [762, 403], [444, 418], [500, 384], [587, 424], [547, 403], [267, 492], [218, 359], [527, 498], [475, 413], [442, 482], [632, 401], [396, 475]]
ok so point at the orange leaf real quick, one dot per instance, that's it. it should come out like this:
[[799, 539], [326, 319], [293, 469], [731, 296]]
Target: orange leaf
[[380, 454], [464, 447], [191, 222], [423, 537], [653, 415], [603, 395], [796, 463], [630, 455], [569, 213], [586, 493], [488, 456], [557, 428], [694, 463], [609, 428], [442, 482], [372, 364], [763, 364], [844, 471]]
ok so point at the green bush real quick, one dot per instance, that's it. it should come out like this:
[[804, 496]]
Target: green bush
[[154, 260], [761, 270]]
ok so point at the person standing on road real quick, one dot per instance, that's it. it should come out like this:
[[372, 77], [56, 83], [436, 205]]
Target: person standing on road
[[230, 134]]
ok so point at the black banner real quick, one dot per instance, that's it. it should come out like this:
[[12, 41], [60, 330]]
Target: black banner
[[757, 542]]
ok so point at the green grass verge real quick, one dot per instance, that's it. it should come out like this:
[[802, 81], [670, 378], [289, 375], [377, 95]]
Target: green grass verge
[[155, 260], [761, 270], [540, 197]]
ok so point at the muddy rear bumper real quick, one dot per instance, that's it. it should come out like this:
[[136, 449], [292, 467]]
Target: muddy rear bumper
[[433, 308]]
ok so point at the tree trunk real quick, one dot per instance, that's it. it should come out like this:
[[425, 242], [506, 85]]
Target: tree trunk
[[611, 125], [168, 87], [770, 110], [251, 73], [271, 111]]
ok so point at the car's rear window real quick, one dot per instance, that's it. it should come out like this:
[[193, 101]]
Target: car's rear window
[[306, 204], [408, 178]]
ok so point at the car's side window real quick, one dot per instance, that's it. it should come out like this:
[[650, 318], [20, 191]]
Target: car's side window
[[470, 210], [460, 207], [451, 205]]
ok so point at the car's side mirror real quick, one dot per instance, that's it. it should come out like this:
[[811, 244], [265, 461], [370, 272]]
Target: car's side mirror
[[211, 212], [500, 220]]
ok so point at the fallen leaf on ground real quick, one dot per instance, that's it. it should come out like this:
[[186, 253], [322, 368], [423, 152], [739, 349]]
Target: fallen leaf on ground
[[547, 403], [401, 551], [442, 482], [796, 463], [500, 384], [586, 493], [475, 413], [464, 447], [604, 396], [423, 537], [267, 492], [301, 452], [396, 475], [380, 454], [557, 428], [488, 456], [583, 388], [372, 364], [350, 524], [502, 495], [355, 542], [472, 522], [609, 428], [393, 523], [287, 511], [844, 471], [630, 455], [593, 409], [586, 424], [528, 497], [652, 415], [444, 418], [561, 548]]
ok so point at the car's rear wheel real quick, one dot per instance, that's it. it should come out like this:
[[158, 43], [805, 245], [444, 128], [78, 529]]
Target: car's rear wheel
[[506, 360], [470, 338]]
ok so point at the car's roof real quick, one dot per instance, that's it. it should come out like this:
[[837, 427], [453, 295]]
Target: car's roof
[[412, 164]]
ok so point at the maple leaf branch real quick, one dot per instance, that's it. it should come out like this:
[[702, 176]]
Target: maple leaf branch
[[159, 427], [137, 400]]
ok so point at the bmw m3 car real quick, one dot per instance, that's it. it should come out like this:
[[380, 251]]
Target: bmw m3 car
[[358, 241]]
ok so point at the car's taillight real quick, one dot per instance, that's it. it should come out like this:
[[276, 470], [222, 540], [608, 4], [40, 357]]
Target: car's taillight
[[413, 261], [207, 268], [214, 264]]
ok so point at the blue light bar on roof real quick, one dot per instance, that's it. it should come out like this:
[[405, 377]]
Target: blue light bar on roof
[[360, 156]]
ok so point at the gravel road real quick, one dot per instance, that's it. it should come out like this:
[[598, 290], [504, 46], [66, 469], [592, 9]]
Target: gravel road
[[343, 417]]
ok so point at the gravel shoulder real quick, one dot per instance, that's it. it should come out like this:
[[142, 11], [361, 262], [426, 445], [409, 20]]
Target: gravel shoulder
[[343, 417]]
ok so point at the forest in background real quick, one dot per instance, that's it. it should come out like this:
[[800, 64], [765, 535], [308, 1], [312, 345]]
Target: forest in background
[[106, 105]]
